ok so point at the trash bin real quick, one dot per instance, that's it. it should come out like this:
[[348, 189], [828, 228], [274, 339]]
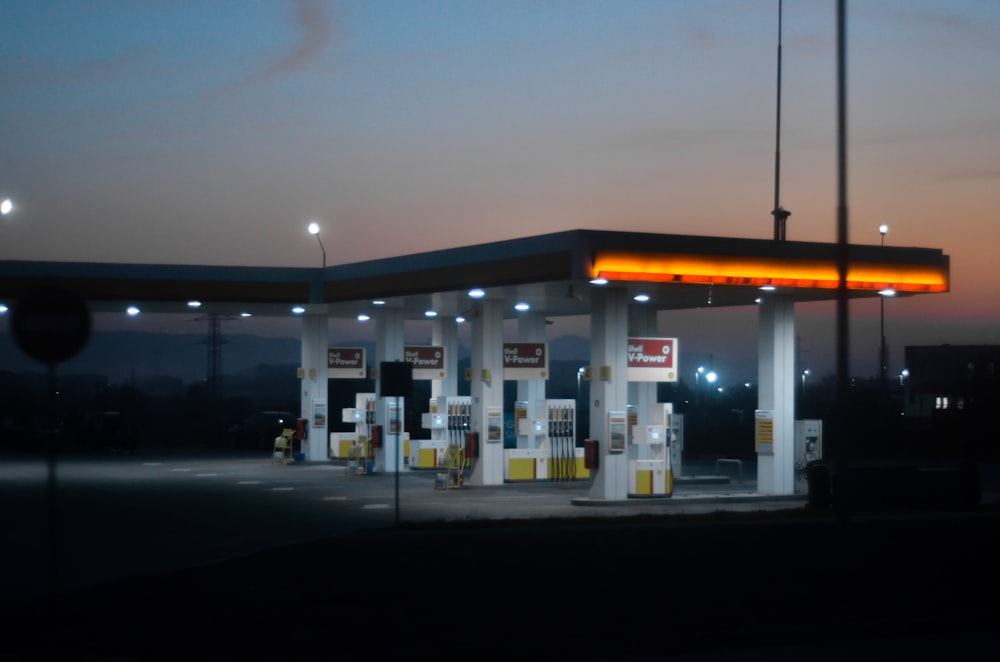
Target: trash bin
[[818, 482]]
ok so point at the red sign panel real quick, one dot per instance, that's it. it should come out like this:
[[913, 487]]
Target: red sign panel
[[345, 358], [524, 355], [651, 352], [424, 358]]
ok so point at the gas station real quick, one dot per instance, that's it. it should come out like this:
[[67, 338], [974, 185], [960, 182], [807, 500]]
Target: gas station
[[621, 280]]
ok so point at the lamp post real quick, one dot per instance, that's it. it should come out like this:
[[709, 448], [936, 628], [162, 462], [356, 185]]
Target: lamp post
[[883, 350], [314, 230]]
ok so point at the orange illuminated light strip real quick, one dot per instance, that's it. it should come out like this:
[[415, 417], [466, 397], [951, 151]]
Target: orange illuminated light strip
[[757, 272]]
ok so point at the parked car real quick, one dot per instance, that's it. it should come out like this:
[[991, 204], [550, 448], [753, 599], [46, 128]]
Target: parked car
[[105, 431], [257, 431]]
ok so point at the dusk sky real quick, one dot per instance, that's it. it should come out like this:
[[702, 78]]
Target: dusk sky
[[212, 132]]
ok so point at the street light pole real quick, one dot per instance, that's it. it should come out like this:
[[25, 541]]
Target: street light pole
[[314, 230], [883, 351]]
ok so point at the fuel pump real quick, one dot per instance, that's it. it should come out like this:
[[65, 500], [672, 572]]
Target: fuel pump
[[808, 448], [562, 439]]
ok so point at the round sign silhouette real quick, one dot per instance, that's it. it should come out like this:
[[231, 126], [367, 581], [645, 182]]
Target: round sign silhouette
[[51, 324]]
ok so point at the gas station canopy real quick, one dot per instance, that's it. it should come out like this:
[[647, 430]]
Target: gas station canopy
[[553, 273]]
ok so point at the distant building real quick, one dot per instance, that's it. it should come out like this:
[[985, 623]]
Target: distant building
[[950, 380]]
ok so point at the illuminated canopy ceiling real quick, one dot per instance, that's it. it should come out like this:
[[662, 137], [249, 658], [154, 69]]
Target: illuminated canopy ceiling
[[550, 272]]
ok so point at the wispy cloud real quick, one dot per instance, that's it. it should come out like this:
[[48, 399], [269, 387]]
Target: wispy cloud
[[315, 29]]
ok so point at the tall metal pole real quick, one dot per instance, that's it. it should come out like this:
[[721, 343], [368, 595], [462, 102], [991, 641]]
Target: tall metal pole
[[843, 362], [780, 215], [883, 348]]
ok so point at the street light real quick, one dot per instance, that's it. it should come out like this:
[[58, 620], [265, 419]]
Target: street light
[[314, 230], [883, 349], [6, 207]]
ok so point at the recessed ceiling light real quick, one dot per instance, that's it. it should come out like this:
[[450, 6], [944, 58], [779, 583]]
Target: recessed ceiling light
[[298, 310], [477, 293], [363, 317], [430, 313], [244, 314], [641, 298], [378, 302], [521, 306], [459, 319], [599, 281], [194, 303], [132, 311], [768, 288]]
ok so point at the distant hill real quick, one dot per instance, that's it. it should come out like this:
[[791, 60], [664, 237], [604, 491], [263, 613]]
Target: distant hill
[[125, 355]]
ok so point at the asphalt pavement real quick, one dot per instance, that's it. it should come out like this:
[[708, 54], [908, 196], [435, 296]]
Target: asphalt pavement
[[225, 556]]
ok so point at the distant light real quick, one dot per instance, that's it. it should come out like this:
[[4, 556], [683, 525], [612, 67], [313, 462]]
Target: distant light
[[244, 314], [887, 292], [3, 308], [7, 206], [712, 376], [747, 384], [363, 317], [883, 229], [641, 298], [460, 319], [298, 310], [768, 288], [758, 300], [430, 313], [313, 228], [522, 306], [378, 302], [132, 311], [194, 303], [477, 293], [598, 281]]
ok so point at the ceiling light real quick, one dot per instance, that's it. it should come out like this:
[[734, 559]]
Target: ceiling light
[[522, 307], [599, 281], [768, 288], [477, 293], [378, 302], [194, 303], [363, 317], [430, 313], [298, 310], [641, 298], [132, 311], [887, 292], [244, 314], [459, 319]]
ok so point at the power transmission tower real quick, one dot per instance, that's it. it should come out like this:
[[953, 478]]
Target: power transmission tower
[[214, 342]]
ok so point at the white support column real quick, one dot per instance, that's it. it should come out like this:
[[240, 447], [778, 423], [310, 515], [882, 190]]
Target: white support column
[[389, 343], [531, 328], [315, 386], [487, 390], [641, 324], [608, 391], [444, 333], [776, 393]]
